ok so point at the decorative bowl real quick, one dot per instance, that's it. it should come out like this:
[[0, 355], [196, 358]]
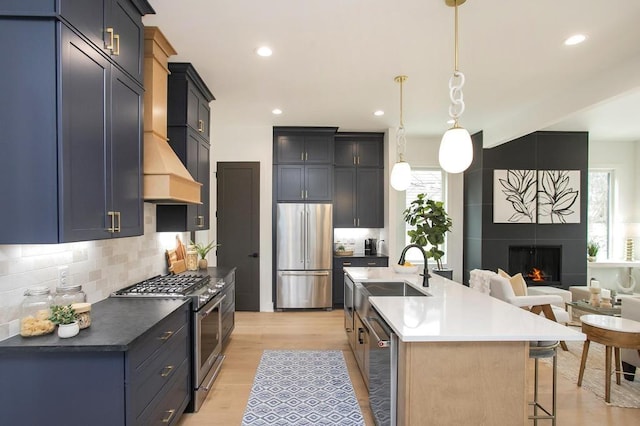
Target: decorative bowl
[[401, 269]]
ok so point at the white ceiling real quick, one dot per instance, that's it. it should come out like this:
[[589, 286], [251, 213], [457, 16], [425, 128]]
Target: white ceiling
[[334, 62]]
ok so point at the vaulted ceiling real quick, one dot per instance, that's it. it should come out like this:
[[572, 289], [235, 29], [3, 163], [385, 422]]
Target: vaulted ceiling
[[334, 61]]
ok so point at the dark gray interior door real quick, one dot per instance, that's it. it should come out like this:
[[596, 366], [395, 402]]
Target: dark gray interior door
[[238, 228]]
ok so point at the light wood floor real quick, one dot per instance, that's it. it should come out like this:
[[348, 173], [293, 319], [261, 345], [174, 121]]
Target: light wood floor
[[255, 332]]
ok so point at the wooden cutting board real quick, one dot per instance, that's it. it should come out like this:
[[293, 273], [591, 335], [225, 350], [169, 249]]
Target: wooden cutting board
[[175, 265]]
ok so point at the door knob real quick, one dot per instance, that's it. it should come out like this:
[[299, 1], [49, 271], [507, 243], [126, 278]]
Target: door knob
[[254, 255]]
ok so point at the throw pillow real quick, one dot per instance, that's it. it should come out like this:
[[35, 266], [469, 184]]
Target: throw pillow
[[517, 281]]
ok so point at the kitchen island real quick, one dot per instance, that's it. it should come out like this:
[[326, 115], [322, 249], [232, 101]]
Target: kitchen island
[[462, 356]]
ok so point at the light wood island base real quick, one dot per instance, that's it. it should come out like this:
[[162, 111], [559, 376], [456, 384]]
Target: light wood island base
[[462, 383]]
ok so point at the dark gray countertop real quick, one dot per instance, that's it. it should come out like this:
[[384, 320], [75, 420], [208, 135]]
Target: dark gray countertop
[[115, 324]]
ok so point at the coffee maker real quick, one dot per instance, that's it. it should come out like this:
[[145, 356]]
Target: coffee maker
[[370, 247]]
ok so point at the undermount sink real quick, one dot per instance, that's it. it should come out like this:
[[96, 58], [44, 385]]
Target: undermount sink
[[391, 288]]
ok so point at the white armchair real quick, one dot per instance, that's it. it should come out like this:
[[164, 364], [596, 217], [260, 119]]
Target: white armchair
[[539, 304], [631, 310]]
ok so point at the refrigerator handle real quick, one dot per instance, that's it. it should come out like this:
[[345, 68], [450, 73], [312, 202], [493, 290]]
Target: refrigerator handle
[[304, 273], [302, 236], [307, 249]]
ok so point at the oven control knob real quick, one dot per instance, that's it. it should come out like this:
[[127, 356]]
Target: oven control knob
[[203, 298], [211, 290]]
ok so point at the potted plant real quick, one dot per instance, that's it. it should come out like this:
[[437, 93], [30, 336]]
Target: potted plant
[[67, 320], [203, 250], [592, 250], [431, 223]]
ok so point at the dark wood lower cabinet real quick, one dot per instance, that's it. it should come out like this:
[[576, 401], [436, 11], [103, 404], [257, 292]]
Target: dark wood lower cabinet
[[339, 262], [147, 384]]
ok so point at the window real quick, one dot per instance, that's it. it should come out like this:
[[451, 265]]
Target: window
[[430, 182], [599, 217]]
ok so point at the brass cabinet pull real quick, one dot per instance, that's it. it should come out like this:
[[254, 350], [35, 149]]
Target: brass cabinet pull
[[354, 161], [371, 263], [166, 371], [116, 45], [358, 160], [112, 215], [354, 221], [117, 228], [358, 221], [200, 126], [302, 194], [109, 44], [200, 221], [306, 194], [306, 156], [346, 263], [168, 418], [302, 156], [166, 335]]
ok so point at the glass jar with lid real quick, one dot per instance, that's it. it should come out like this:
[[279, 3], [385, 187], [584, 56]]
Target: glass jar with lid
[[67, 295], [35, 311]]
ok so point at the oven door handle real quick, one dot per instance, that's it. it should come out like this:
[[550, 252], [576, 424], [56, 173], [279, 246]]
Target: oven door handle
[[381, 343], [208, 311]]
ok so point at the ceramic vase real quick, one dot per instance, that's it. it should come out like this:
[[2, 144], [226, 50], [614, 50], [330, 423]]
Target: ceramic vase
[[202, 264], [68, 330]]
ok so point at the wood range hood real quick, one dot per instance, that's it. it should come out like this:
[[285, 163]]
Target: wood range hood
[[166, 179]]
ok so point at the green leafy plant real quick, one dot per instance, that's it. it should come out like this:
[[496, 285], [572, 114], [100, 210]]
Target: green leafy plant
[[202, 249], [432, 223], [592, 248], [63, 314]]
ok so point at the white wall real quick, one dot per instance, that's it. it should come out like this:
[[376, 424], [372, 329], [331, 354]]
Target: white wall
[[622, 158], [423, 152], [101, 267]]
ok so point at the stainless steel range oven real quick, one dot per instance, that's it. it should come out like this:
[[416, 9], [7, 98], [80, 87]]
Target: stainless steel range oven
[[206, 295]]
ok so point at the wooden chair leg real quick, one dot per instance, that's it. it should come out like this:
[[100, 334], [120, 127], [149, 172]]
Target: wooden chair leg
[[548, 313], [618, 365], [583, 361], [607, 374]]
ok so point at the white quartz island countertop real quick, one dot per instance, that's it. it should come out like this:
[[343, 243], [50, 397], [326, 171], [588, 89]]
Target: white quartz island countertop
[[456, 313]]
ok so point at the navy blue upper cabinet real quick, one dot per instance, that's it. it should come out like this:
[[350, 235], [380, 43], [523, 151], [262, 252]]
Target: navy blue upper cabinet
[[303, 145], [71, 120], [188, 115]]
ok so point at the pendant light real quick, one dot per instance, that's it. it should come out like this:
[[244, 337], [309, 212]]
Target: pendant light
[[456, 149], [401, 172]]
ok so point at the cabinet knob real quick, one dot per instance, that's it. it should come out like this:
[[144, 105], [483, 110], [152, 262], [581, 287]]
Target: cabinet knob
[[166, 370]]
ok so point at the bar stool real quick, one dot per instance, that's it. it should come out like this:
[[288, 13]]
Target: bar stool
[[537, 350]]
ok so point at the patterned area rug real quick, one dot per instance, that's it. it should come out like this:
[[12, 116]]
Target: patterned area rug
[[296, 387], [626, 395]]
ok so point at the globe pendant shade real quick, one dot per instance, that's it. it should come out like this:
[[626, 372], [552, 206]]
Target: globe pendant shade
[[456, 150], [401, 176]]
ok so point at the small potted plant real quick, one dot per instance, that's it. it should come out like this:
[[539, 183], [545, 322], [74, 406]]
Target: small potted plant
[[592, 251], [203, 250], [67, 320], [432, 223]]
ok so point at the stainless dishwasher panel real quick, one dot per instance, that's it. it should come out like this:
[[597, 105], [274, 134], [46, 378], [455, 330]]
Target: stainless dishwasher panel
[[383, 370], [303, 289]]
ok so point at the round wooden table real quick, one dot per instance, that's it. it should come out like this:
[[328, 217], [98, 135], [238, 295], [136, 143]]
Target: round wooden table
[[613, 332]]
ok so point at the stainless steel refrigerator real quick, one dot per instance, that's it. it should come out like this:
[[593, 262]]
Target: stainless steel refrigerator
[[304, 251]]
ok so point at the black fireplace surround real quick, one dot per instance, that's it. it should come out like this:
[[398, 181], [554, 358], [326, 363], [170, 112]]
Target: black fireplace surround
[[539, 265]]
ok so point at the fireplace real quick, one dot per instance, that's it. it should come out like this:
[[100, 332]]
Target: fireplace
[[539, 265]]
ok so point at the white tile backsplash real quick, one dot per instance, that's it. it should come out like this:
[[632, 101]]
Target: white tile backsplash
[[101, 267]]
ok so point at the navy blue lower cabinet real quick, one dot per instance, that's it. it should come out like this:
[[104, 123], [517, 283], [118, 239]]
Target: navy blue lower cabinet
[[148, 383]]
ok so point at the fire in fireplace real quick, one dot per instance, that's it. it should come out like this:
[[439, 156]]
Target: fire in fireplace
[[539, 265]]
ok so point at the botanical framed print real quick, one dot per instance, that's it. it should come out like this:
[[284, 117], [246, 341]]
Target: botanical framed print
[[558, 196], [514, 196]]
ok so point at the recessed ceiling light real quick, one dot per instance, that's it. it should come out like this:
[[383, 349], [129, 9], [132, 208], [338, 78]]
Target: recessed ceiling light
[[378, 113], [575, 39], [264, 51], [276, 111]]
